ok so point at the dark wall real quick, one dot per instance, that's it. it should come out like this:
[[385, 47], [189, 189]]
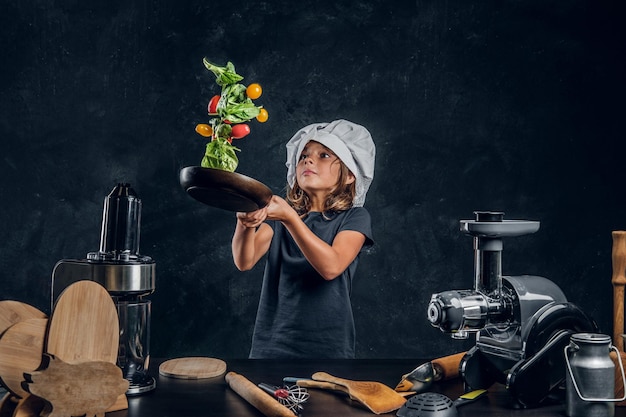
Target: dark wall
[[493, 105]]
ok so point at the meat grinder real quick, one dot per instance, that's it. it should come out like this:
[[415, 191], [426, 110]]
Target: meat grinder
[[521, 323], [126, 275]]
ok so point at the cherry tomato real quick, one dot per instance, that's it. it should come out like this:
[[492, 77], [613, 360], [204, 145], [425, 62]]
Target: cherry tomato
[[204, 130], [262, 116], [240, 130], [212, 107], [254, 91]]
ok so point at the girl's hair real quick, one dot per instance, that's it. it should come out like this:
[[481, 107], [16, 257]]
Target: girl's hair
[[340, 198]]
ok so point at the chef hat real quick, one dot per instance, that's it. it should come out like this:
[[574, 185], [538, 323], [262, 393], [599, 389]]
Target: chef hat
[[352, 143]]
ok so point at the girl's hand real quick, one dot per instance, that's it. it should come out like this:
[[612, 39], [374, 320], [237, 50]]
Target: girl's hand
[[279, 209], [252, 219]]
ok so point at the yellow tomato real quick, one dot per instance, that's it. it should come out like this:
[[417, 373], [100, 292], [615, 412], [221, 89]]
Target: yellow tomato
[[262, 116], [254, 91], [204, 130]]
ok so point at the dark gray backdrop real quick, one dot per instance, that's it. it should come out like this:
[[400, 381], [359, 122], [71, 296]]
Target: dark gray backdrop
[[487, 105]]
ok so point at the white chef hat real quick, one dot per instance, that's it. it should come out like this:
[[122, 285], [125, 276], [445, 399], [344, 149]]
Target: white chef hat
[[352, 143]]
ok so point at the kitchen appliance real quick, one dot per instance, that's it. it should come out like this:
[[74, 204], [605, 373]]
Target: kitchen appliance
[[521, 323], [128, 277]]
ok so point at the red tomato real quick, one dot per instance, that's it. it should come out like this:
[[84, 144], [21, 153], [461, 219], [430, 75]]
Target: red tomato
[[262, 116], [254, 91], [240, 130], [212, 107], [204, 130]]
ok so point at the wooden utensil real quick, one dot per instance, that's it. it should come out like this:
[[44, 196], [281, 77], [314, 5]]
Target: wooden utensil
[[12, 312], [377, 397], [223, 189], [84, 325], [618, 255], [193, 368], [21, 350], [447, 367], [256, 396]]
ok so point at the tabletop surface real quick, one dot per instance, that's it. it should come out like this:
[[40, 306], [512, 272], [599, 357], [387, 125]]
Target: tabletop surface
[[212, 397]]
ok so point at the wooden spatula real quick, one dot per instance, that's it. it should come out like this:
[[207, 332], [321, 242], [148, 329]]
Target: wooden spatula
[[21, 349], [377, 397], [84, 325]]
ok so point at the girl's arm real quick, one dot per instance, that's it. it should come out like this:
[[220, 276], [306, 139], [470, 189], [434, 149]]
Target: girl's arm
[[328, 260], [251, 239]]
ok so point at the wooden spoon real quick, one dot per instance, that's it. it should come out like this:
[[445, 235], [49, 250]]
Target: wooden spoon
[[12, 312], [21, 349], [84, 325], [377, 397]]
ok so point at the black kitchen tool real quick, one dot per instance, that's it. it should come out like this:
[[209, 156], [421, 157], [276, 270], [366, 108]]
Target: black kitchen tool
[[432, 404], [223, 189]]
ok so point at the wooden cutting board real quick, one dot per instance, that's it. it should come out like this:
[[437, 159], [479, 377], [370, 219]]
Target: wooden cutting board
[[193, 368], [377, 397], [21, 349], [12, 312], [86, 388], [84, 325]]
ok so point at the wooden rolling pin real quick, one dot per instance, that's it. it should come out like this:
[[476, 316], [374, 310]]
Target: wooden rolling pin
[[447, 367], [256, 396], [618, 279]]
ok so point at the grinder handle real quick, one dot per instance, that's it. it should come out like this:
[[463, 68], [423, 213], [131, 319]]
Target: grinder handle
[[618, 280], [447, 367]]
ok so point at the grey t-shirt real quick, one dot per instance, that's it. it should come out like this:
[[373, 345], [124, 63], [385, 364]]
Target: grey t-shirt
[[300, 314]]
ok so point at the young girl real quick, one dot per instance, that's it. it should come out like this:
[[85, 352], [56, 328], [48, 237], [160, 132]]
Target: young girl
[[313, 239]]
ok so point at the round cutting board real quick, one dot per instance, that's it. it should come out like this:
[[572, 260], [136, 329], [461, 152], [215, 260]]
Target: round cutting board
[[84, 325], [193, 368], [21, 349], [12, 312]]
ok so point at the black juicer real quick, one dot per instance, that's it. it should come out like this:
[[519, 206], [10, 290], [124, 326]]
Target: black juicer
[[522, 323], [127, 276]]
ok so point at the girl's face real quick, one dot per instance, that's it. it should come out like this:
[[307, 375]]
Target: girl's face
[[318, 169]]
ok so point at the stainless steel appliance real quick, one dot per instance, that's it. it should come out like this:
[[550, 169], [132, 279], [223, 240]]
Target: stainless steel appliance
[[128, 276], [521, 323]]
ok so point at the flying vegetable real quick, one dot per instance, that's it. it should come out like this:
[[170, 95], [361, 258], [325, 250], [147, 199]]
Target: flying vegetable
[[230, 110]]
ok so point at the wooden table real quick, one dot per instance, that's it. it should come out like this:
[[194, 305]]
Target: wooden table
[[213, 398]]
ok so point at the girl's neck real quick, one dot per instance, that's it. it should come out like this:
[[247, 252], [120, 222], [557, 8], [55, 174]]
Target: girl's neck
[[317, 203]]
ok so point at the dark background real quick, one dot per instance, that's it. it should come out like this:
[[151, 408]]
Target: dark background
[[489, 105]]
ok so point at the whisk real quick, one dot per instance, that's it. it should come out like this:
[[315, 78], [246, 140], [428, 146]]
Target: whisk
[[291, 397]]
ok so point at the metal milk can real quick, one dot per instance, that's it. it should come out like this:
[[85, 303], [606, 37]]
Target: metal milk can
[[590, 377]]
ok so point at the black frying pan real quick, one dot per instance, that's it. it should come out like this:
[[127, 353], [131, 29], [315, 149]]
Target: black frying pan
[[224, 189]]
